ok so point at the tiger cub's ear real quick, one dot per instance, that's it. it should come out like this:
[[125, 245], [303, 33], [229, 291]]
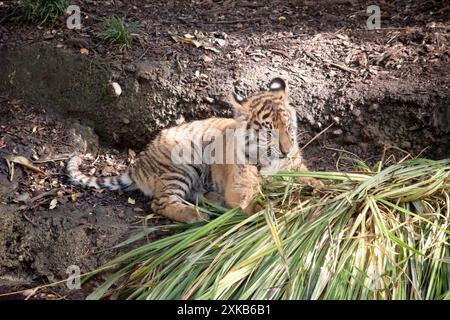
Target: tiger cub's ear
[[240, 111], [277, 84]]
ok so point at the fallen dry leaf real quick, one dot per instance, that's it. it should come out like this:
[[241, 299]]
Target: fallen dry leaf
[[84, 51], [74, 197], [53, 204], [131, 201], [197, 41], [11, 159]]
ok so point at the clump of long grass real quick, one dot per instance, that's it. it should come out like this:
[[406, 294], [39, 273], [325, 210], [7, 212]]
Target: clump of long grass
[[366, 235], [116, 31], [43, 11]]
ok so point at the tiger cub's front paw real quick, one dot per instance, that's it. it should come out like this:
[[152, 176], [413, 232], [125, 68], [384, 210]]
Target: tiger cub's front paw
[[313, 182], [252, 208], [195, 217]]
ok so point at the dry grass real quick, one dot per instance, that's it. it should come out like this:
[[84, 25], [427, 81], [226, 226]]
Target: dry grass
[[382, 234]]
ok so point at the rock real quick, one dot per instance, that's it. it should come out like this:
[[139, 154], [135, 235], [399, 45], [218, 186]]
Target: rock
[[220, 42], [207, 58], [83, 138], [374, 107], [209, 100], [23, 197], [337, 132], [356, 112], [136, 86], [117, 89], [180, 120], [101, 211], [130, 67], [310, 119], [144, 71]]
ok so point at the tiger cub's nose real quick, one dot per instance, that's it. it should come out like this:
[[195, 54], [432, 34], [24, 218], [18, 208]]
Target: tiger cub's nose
[[284, 151]]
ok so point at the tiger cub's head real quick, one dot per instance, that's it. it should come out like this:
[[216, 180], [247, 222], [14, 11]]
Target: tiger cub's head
[[269, 115]]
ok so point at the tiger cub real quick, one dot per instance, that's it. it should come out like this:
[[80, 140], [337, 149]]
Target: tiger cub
[[171, 183]]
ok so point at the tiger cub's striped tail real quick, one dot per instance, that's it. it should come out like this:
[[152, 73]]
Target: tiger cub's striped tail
[[120, 182]]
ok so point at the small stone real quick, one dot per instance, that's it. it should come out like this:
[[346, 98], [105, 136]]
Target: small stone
[[125, 120], [374, 107], [117, 88], [23, 197], [130, 67], [180, 120], [136, 86], [310, 119], [207, 58], [338, 132], [356, 112], [145, 71], [209, 99], [220, 42]]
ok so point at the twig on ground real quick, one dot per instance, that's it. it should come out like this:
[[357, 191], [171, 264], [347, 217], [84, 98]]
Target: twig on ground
[[43, 195], [51, 160], [343, 67], [29, 219], [316, 136]]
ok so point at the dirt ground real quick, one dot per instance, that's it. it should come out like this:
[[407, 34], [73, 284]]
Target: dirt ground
[[47, 225]]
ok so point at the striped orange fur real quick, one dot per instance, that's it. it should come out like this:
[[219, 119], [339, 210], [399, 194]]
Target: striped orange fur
[[170, 184]]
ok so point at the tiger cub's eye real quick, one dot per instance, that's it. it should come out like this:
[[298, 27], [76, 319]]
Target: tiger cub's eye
[[267, 125]]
